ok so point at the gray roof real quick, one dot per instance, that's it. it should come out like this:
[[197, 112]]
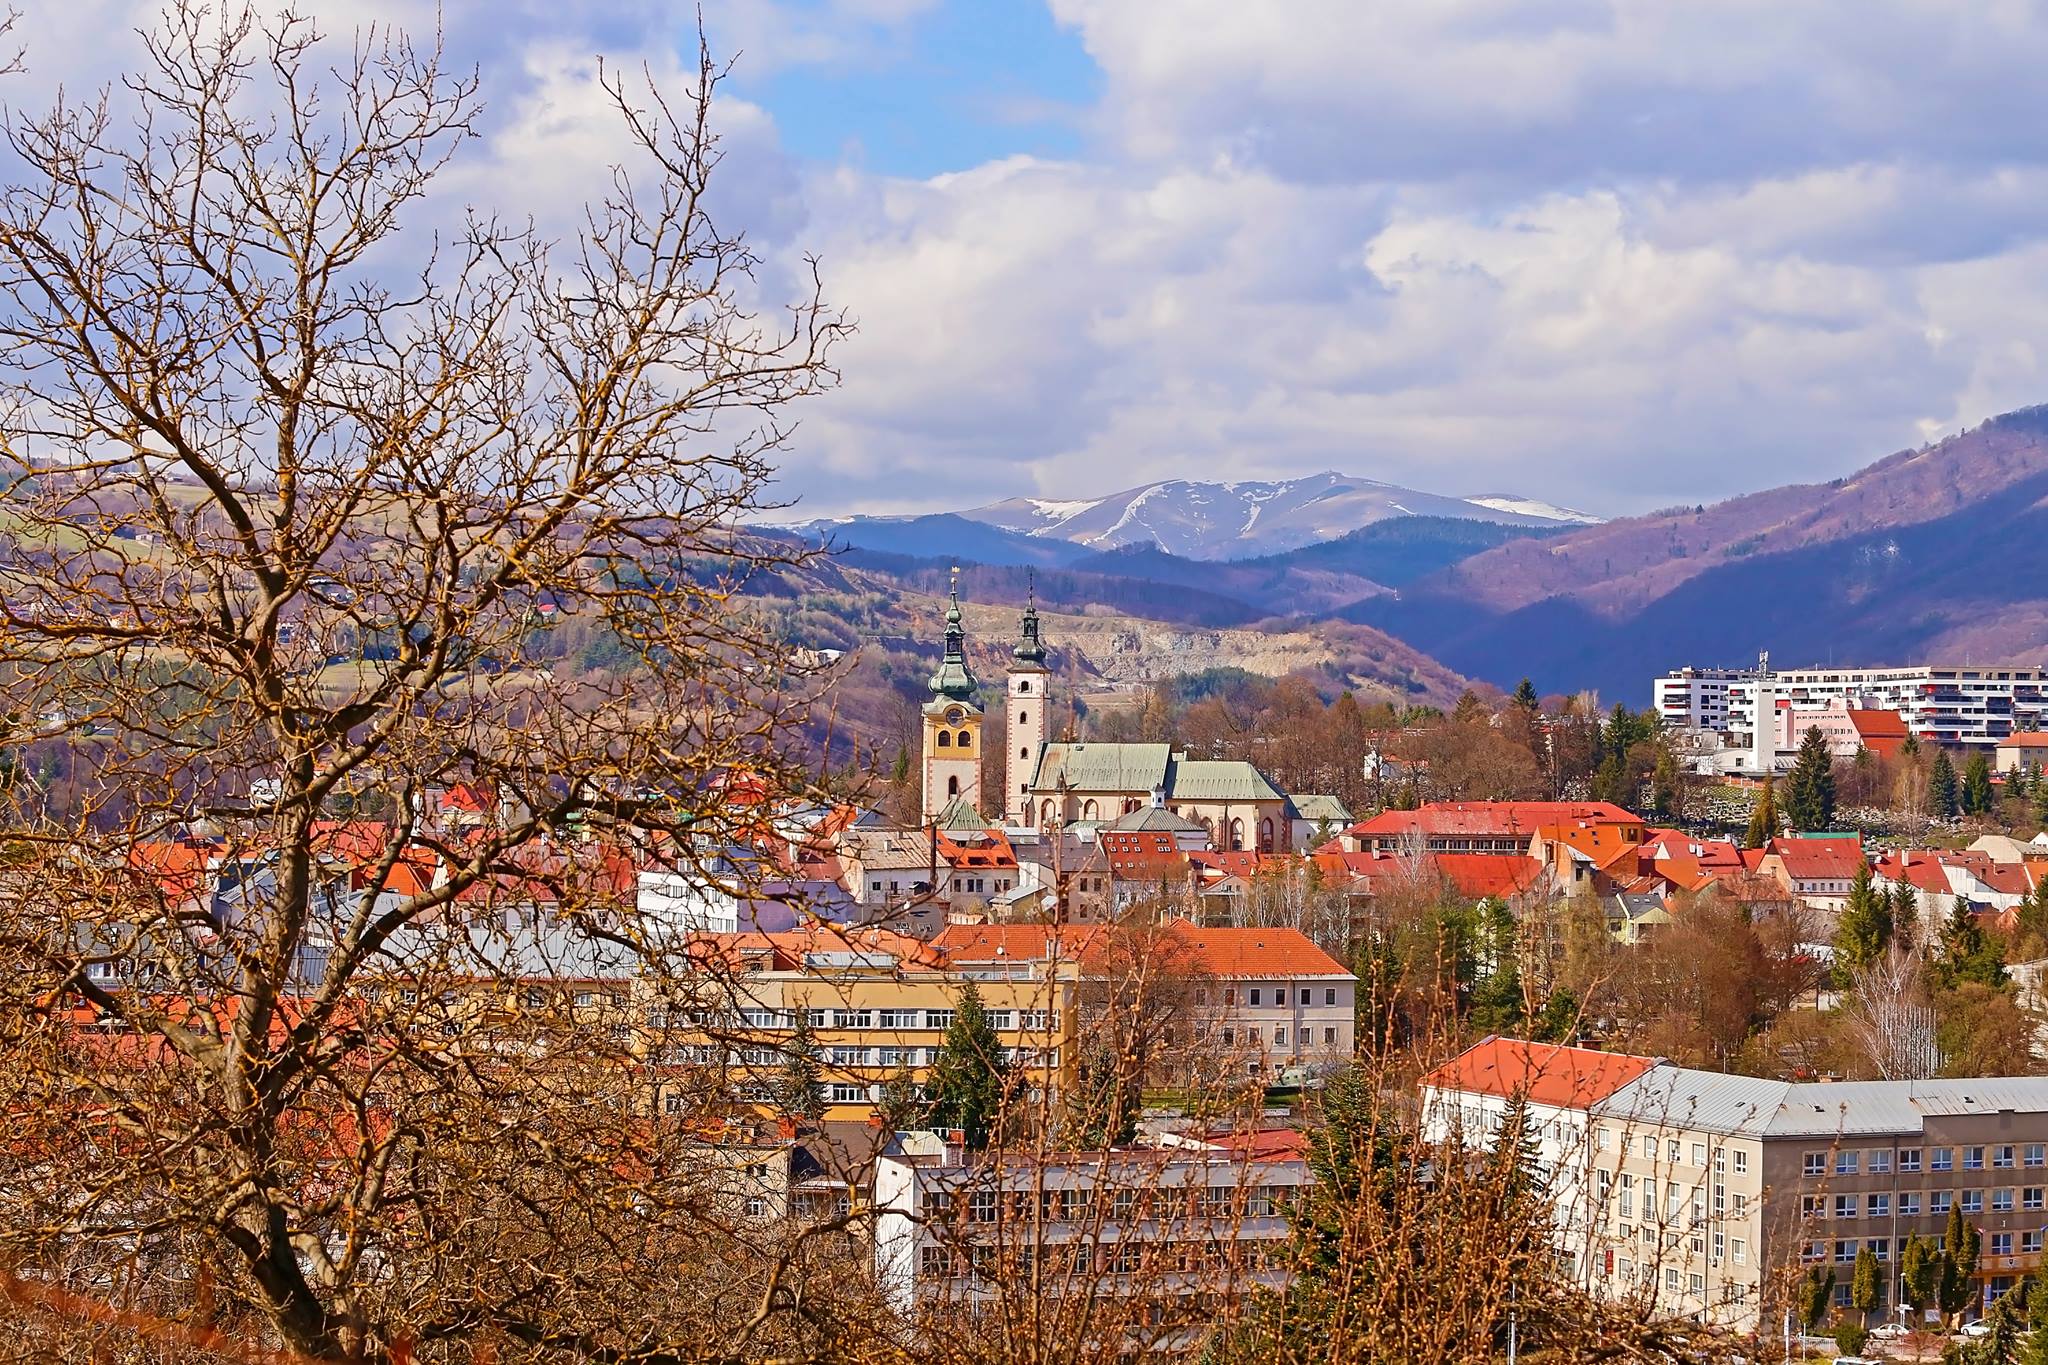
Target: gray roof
[[1156, 818], [526, 943], [1820, 1109], [1103, 767], [1317, 808], [1214, 779]]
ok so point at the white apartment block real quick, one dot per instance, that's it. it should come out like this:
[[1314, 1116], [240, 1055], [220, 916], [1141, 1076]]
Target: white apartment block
[[1708, 1194], [1944, 703]]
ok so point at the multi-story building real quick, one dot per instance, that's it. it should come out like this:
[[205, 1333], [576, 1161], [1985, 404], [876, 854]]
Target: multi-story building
[[1182, 1228], [1943, 703], [1711, 1193], [1500, 827]]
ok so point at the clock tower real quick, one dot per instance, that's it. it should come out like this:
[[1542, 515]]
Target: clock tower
[[952, 724]]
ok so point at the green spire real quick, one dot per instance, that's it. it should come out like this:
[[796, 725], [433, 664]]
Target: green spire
[[953, 681], [1030, 649]]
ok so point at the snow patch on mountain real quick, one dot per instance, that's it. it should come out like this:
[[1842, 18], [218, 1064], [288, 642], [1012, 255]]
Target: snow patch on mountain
[[1535, 507]]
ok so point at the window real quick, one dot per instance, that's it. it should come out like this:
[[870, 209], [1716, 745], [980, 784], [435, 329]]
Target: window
[[1671, 1278], [940, 1019], [849, 1094], [2030, 1197], [1649, 1149], [1880, 1161], [1909, 1158], [2002, 1156], [2001, 1244], [856, 1019], [1280, 1037], [1942, 1159], [2001, 1200], [899, 1018], [1720, 1245], [1306, 995], [1671, 1151], [1813, 1206], [1255, 996], [1003, 1021], [1971, 1201], [1330, 998], [1699, 1154], [1846, 1162], [1697, 1285], [1845, 1251], [1845, 1206], [1739, 1249], [757, 1207], [1938, 1202], [981, 1206], [1720, 1161], [1909, 1206], [1880, 1247], [1878, 1206], [1973, 1158], [2030, 1241], [1329, 1037], [1816, 1164], [2036, 1154], [1628, 1195], [1741, 1161]]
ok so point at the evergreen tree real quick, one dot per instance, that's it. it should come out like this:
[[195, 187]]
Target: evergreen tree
[[1558, 1019], [2035, 1351], [1943, 799], [1106, 1098], [2040, 797], [1498, 1005], [1667, 786], [2030, 926], [1526, 701], [1810, 797], [900, 774], [968, 1077], [1816, 1292], [1919, 1274], [1865, 928], [1763, 818], [1517, 1176], [1470, 710], [1976, 794], [800, 1090], [1968, 954], [1959, 1247], [1905, 915]]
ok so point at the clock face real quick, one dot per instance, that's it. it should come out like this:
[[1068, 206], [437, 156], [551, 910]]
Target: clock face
[[954, 715]]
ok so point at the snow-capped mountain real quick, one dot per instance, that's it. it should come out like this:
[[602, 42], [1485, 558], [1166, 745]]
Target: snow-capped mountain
[[1238, 520]]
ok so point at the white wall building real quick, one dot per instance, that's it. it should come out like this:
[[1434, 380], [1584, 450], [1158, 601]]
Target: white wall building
[[1943, 703]]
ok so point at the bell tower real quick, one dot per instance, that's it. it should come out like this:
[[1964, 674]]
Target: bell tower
[[952, 724], [1029, 687]]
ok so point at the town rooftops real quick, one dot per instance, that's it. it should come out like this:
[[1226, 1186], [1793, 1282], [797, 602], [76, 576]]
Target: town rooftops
[[1237, 953], [1155, 819], [1814, 1109], [1087, 767], [2025, 739], [1542, 1073], [1479, 875], [1818, 857], [1497, 818]]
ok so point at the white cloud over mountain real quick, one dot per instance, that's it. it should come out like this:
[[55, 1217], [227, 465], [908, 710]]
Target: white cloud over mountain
[[1613, 253]]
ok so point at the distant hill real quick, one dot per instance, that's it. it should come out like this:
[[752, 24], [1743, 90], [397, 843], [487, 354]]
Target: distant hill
[[1927, 555]]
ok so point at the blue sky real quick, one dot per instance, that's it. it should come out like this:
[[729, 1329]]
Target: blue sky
[[1616, 254]]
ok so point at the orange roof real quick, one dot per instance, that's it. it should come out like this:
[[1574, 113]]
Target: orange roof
[[1493, 817], [1544, 1073], [996, 853], [1233, 862], [789, 946], [2027, 739], [1479, 875], [1603, 844], [1223, 952], [1827, 858], [1013, 942]]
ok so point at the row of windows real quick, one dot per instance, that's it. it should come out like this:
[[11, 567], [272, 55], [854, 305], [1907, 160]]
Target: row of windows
[[1909, 1205], [1676, 1198], [1851, 1161], [1126, 1204], [1115, 1258], [843, 1020], [1734, 1249], [946, 740], [1676, 1153], [1303, 1037], [1844, 1249], [1260, 995]]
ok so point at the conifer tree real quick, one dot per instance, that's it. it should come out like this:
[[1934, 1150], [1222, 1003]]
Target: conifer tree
[[1942, 794], [1905, 915], [1526, 701], [1865, 928], [901, 1105], [1763, 818], [1863, 1282], [1498, 1003], [968, 1077], [1968, 954], [1976, 793], [900, 773], [1810, 800], [1919, 1274], [800, 1091], [2040, 796]]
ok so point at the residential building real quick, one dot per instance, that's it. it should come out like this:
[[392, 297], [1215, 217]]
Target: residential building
[[1486, 826], [2022, 751], [1178, 1227], [1818, 869], [1714, 1191], [1946, 704]]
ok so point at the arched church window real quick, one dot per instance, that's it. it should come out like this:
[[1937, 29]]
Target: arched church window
[[1129, 805], [1024, 686], [965, 740], [945, 739], [1266, 835], [1023, 753], [1023, 717], [1087, 810], [952, 786], [1045, 813], [1236, 835]]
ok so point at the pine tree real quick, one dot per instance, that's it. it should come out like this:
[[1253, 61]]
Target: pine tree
[[1763, 818], [901, 1105], [1905, 915], [1810, 799], [1959, 1247], [900, 774], [800, 1091], [1942, 796], [2030, 927], [1865, 927], [1558, 1019], [968, 1076], [1968, 954], [1816, 1292], [1498, 1005], [1667, 786], [1976, 793], [1526, 701], [2040, 797], [1919, 1274], [2035, 1352]]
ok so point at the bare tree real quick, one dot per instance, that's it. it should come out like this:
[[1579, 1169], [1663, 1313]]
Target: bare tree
[[1887, 1014], [283, 535]]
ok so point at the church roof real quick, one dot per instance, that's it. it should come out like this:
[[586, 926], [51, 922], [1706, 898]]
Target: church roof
[[1103, 767], [1155, 819], [1219, 779], [960, 817], [953, 681]]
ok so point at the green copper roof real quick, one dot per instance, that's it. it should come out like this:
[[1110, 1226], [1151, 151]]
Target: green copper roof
[[1030, 649], [953, 680]]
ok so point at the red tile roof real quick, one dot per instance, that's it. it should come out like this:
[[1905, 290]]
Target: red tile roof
[[1544, 1073], [1479, 875], [2030, 739], [1223, 952], [1498, 818], [1825, 858]]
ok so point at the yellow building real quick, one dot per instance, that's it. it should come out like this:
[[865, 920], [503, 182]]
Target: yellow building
[[877, 1005]]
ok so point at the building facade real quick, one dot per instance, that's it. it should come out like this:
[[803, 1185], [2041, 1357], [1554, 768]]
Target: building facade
[[1942, 703]]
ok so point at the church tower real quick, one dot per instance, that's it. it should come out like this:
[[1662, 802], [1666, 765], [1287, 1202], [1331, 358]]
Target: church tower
[[1030, 714], [952, 724]]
